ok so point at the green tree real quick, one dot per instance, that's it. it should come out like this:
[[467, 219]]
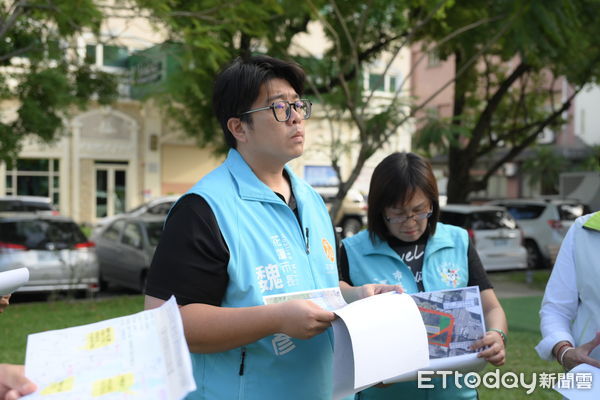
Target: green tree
[[592, 162], [40, 70], [357, 34], [507, 55], [544, 169], [509, 92], [210, 34]]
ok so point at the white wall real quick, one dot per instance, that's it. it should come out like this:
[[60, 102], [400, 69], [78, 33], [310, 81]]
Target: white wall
[[587, 115]]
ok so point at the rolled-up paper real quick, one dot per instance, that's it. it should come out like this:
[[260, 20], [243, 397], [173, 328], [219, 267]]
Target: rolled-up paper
[[12, 280]]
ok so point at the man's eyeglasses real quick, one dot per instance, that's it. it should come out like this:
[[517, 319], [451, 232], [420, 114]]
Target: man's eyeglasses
[[282, 110], [405, 218]]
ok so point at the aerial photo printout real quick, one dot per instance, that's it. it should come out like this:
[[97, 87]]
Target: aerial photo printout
[[453, 320]]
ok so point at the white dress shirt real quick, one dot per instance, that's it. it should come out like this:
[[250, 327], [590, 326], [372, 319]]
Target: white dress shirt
[[561, 298]]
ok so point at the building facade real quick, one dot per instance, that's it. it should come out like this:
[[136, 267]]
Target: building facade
[[112, 159]]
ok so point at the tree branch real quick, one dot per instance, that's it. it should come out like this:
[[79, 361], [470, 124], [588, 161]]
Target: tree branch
[[485, 117]]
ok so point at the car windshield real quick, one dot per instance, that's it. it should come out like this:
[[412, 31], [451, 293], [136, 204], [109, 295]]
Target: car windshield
[[136, 208], [154, 230], [525, 211], [485, 220], [41, 234], [480, 220], [570, 212]]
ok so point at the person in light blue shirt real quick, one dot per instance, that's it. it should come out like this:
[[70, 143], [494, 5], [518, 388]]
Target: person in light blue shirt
[[247, 230]]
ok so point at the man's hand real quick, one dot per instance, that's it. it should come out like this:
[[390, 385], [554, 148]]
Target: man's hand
[[580, 355], [13, 383], [303, 319]]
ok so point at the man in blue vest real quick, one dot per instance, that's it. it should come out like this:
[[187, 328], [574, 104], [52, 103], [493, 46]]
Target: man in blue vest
[[250, 229]]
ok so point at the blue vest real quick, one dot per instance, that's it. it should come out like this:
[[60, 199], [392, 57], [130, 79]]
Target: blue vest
[[270, 253], [445, 266]]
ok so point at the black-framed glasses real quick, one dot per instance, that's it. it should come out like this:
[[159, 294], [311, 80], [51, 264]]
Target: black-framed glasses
[[282, 110], [405, 218]]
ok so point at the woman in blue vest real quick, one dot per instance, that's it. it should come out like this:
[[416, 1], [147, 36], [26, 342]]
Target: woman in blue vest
[[405, 244]]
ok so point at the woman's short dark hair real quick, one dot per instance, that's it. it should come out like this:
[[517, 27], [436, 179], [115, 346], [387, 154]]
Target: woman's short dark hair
[[238, 86], [394, 182]]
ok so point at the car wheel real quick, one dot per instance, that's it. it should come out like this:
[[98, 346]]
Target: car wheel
[[534, 257], [350, 227]]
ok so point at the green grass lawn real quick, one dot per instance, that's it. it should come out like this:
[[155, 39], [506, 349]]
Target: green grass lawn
[[19, 320], [524, 335]]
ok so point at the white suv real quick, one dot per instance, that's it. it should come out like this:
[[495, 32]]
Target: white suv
[[493, 231], [545, 223]]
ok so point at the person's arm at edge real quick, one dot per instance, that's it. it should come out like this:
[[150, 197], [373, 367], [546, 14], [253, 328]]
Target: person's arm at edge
[[13, 383], [235, 327]]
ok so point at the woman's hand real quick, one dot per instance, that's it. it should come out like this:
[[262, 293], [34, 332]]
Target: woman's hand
[[495, 351], [353, 293], [371, 289]]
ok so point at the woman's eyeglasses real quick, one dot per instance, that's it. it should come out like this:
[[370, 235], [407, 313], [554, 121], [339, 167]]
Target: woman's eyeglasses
[[405, 218]]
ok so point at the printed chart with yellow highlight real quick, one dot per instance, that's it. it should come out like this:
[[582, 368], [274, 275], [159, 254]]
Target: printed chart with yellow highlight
[[140, 356]]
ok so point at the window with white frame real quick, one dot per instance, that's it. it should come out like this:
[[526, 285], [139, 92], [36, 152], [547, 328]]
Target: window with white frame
[[433, 59], [34, 177], [383, 83], [106, 55]]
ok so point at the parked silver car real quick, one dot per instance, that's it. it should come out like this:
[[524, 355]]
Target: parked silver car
[[53, 248], [494, 232], [545, 223], [157, 206], [125, 249]]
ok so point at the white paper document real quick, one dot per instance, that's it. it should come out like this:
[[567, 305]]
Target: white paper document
[[328, 299], [377, 338], [454, 321], [141, 356], [12, 280], [580, 383]]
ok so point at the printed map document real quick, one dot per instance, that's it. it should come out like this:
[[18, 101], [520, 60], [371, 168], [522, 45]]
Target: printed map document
[[12, 280], [580, 383], [454, 321], [141, 356], [375, 338]]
